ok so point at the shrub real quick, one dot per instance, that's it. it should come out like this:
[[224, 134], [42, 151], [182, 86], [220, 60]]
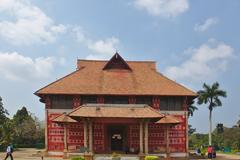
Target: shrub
[[39, 145], [203, 151], [78, 158], [151, 158], [116, 156]]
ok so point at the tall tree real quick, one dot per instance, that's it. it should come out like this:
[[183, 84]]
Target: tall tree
[[3, 113], [24, 127], [191, 108], [6, 131], [210, 95], [5, 137], [21, 115]]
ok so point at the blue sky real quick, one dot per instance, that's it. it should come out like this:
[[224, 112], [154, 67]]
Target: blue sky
[[192, 41]]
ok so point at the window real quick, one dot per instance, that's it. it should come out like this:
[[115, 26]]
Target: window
[[62, 102], [116, 99], [144, 100], [88, 99], [164, 103], [171, 103]]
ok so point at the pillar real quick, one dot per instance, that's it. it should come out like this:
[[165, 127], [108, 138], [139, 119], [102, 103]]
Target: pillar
[[141, 137], [65, 136], [186, 132], [90, 136], [146, 137], [85, 134], [167, 141], [46, 131], [65, 141]]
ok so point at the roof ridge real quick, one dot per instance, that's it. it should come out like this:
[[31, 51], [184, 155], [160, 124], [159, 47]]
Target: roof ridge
[[91, 60]]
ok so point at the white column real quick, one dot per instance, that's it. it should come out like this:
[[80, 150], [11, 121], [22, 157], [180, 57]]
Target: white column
[[85, 134], [186, 118], [167, 141], [90, 136], [65, 136], [65, 141], [141, 137], [146, 137]]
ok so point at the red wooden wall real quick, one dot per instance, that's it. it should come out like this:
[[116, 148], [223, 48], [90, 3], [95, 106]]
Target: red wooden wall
[[55, 134]]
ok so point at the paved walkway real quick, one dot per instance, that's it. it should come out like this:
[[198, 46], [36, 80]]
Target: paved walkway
[[34, 154], [27, 154]]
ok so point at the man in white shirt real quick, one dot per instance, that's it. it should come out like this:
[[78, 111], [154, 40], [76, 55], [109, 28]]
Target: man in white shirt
[[9, 152]]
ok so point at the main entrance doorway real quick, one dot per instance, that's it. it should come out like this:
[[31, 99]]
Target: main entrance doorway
[[117, 137]]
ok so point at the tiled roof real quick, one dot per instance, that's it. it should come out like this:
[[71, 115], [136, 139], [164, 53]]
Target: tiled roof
[[91, 79], [168, 119], [115, 111], [63, 118]]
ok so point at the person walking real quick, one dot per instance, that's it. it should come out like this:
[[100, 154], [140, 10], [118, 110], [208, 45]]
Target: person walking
[[9, 152], [210, 152]]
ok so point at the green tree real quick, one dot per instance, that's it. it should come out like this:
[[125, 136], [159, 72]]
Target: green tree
[[191, 108], [24, 128], [3, 113], [210, 95], [21, 115], [191, 130], [7, 133], [238, 123], [5, 136]]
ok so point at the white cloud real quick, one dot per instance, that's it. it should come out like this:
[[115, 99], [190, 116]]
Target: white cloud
[[101, 49], [15, 66], [205, 62], [104, 47], [205, 25], [29, 23], [78, 31], [165, 8]]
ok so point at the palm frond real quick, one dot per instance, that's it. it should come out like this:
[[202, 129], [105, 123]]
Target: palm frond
[[215, 86], [210, 95], [217, 102], [221, 93]]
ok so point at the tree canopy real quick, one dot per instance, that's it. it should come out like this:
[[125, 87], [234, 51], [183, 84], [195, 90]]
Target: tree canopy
[[211, 95], [3, 112], [23, 130]]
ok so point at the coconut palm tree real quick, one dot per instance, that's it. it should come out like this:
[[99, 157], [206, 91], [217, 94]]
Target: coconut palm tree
[[191, 108], [210, 95]]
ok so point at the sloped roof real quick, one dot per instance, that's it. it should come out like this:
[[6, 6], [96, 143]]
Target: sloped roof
[[168, 119], [90, 78], [115, 111], [63, 118]]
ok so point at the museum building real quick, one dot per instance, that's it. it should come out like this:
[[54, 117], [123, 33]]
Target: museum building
[[116, 106]]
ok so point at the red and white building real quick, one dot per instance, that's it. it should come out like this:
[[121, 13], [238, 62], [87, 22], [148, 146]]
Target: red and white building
[[116, 105]]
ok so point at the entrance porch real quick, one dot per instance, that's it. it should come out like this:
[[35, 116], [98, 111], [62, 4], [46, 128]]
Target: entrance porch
[[125, 136], [123, 129]]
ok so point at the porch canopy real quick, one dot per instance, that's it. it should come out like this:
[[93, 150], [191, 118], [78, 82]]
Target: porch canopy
[[132, 111], [63, 118]]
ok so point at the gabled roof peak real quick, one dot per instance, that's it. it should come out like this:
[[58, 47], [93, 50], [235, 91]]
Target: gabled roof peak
[[116, 62]]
